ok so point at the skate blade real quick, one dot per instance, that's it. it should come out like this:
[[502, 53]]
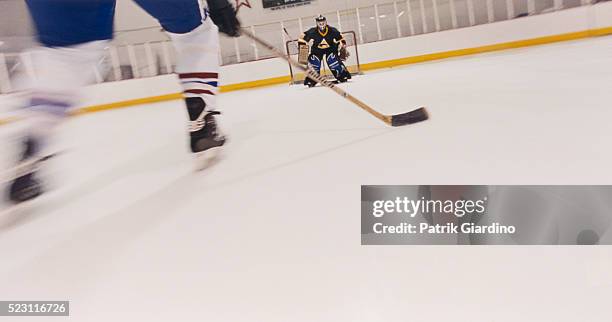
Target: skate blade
[[208, 158]]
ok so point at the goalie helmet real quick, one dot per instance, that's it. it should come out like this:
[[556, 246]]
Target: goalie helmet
[[321, 22]]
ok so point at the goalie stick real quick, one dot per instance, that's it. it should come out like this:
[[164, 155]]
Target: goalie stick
[[418, 115]]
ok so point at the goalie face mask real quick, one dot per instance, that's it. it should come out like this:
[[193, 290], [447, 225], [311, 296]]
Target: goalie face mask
[[321, 23]]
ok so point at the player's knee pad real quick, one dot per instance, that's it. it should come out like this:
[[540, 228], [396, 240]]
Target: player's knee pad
[[177, 16], [314, 62], [64, 23]]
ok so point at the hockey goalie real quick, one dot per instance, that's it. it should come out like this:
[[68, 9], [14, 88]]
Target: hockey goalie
[[327, 45]]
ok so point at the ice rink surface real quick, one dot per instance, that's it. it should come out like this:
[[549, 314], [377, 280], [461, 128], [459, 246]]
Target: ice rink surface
[[272, 232]]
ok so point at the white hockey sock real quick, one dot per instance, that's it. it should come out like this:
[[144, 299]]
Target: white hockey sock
[[198, 62], [53, 77]]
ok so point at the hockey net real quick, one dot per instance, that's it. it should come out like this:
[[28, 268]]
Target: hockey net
[[352, 63]]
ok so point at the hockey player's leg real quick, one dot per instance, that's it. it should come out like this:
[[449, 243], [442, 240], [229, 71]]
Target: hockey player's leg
[[314, 63], [196, 41], [73, 34], [337, 68]]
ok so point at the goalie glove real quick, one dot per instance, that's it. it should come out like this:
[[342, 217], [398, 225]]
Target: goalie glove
[[343, 54], [224, 16]]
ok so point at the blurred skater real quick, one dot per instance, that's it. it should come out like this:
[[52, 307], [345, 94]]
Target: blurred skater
[[74, 35]]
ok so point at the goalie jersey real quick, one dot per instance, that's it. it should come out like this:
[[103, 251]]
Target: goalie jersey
[[323, 42]]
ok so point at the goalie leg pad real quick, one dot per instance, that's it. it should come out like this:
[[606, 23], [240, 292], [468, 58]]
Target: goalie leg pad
[[337, 67], [314, 63]]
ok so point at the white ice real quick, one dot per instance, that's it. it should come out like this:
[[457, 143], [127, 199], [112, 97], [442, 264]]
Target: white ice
[[272, 233]]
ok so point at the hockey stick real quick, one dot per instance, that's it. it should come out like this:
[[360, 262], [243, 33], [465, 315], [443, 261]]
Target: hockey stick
[[25, 168], [418, 115]]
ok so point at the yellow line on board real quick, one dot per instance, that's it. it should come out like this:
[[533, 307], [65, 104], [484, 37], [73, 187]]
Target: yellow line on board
[[367, 66], [7, 120], [601, 31], [128, 103], [476, 50], [256, 83]]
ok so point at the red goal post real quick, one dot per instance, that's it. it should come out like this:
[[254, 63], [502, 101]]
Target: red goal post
[[352, 63]]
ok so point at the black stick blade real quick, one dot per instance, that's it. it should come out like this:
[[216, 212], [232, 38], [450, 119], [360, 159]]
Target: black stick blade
[[418, 115]]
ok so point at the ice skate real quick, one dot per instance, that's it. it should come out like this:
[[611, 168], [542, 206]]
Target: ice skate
[[26, 186], [310, 82], [206, 139]]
